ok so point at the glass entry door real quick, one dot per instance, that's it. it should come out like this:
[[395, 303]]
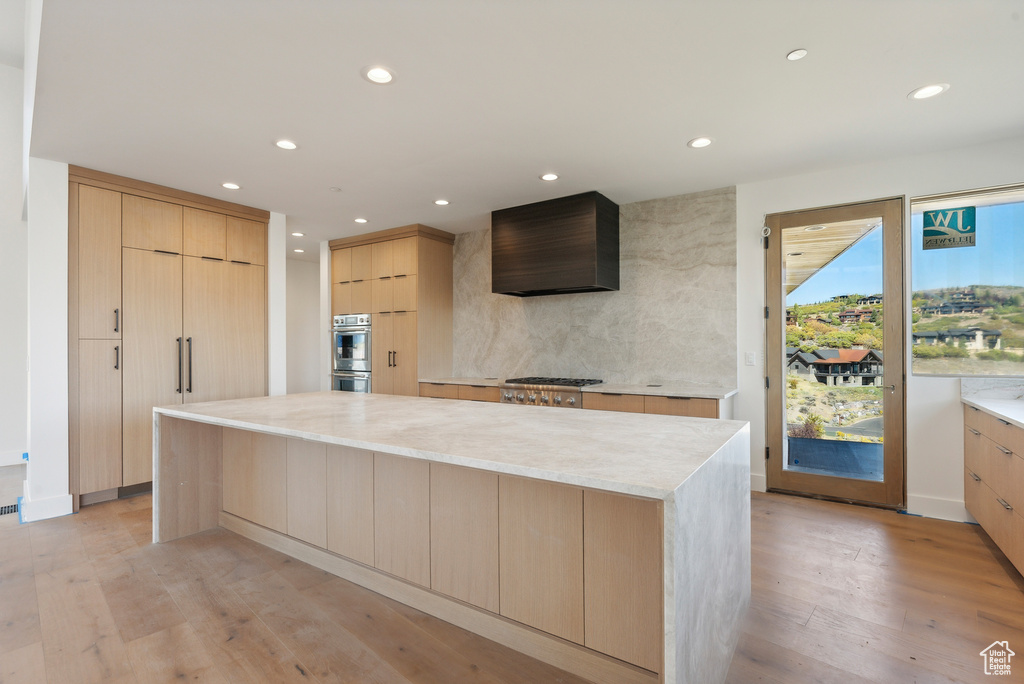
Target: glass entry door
[[835, 352]]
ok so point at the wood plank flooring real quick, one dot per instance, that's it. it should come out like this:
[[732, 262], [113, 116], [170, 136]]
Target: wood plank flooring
[[840, 594]]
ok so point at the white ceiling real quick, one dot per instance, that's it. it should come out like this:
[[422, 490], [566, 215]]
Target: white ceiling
[[490, 94]]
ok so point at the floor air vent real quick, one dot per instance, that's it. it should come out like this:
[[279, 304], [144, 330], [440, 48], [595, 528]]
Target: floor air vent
[[4, 510]]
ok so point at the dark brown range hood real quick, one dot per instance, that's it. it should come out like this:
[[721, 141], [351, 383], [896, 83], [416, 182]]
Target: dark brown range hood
[[564, 245]]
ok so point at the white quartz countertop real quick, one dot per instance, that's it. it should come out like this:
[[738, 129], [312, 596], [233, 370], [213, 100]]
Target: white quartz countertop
[[476, 382], [671, 389], [1011, 410], [638, 454]]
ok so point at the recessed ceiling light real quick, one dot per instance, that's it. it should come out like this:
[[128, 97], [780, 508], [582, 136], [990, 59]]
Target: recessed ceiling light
[[814, 228], [924, 92], [549, 177], [334, 188], [378, 74], [298, 234], [286, 144], [360, 220], [799, 53], [232, 186], [697, 143], [299, 251], [441, 202]]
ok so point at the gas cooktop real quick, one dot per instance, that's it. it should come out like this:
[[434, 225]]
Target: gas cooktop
[[560, 382]]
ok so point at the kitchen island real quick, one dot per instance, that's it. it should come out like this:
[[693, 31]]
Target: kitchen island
[[615, 546]]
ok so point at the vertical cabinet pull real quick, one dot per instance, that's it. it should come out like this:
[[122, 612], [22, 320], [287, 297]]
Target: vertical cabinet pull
[[117, 357], [179, 367], [396, 358], [117, 320], [189, 388], [389, 359]]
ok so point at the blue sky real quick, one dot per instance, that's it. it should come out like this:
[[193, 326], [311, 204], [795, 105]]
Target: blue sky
[[996, 259]]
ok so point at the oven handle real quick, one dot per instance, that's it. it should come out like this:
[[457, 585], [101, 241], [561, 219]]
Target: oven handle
[[361, 328]]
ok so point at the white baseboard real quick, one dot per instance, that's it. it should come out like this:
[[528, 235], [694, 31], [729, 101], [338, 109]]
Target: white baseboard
[[9, 458], [758, 483], [42, 509], [933, 507]]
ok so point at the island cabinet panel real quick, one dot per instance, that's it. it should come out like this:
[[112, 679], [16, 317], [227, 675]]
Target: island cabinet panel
[[401, 513], [693, 407], [541, 542], [307, 491], [464, 534], [622, 561], [255, 477], [350, 503], [151, 224], [630, 403], [203, 233], [99, 263]]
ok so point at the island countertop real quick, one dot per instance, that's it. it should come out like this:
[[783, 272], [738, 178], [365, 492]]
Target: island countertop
[[636, 454]]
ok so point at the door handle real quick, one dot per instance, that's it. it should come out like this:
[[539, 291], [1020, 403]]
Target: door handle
[[396, 358], [390, 364], [117, 357], [117, 320], [189, 388], [179, 367], [891, 388]]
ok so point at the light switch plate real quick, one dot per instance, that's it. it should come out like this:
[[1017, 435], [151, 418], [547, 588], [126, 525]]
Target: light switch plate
[[751, 358]]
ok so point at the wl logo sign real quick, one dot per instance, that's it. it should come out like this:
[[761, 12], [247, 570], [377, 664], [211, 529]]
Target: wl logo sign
[[945, 228]]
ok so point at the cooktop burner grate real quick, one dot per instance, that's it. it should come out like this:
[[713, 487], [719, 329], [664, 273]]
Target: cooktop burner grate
[[565, 382]]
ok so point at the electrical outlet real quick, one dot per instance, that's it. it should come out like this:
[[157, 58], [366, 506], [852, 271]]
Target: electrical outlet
[[751, 358]]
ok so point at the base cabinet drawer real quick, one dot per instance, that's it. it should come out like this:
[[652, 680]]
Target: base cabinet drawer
[[682, 406], [631, 403], [479, 393], [439, 390]]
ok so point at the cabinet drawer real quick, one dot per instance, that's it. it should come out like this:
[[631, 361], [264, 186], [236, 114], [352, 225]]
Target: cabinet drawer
[[682, 406], [630, 403], [974, 418], [479, 393], [439, 390]]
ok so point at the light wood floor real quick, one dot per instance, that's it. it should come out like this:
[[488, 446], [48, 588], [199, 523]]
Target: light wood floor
[[840, 594]]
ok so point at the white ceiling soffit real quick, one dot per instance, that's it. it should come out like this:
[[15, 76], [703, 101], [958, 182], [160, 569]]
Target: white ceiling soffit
[[490, 95]]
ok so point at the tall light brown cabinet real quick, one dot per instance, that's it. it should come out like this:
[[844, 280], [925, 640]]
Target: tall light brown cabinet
[[403, 278], [167, 305]]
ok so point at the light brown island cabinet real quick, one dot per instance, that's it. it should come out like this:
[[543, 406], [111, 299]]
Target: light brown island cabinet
[[307, 491], [255, 477], [350, 503], [401, 517], [150, 266], [994, 479], [403, 277]]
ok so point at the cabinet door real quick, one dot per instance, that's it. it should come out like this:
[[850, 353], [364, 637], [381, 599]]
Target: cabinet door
[[362, 296], [246, 241], [362, 262], [150, 224], [225, 330], [382, 295], [464, 534], [382, 333], [682, 406], [99, 263], [307, 491], [406, 379], [151, 360], [541, 541], [401, 512], [350, 503], [404, 255], [203, 233], [99, 411], [254, 477], [341, 265], [404, 293], [622, 551], [382, 259], [341, 299], [602, 401]]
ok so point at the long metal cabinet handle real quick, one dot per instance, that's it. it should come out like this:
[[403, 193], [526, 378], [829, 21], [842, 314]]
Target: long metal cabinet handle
[[117, 357], [117, 320], [974, 477], [1004, 504], [179, 367], [189, 388], [396, 358], [1004, 450], [973, 431]]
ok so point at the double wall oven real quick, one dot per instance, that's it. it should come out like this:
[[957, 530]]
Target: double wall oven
[[350, 344]]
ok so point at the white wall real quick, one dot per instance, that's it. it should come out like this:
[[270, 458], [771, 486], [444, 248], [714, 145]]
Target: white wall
[[13, 273], [934, 421], [277, 323], [324, 320], [304, 329], [46, 489]]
